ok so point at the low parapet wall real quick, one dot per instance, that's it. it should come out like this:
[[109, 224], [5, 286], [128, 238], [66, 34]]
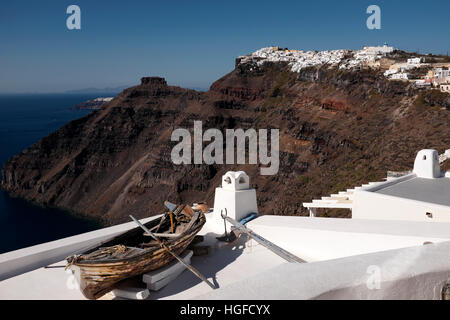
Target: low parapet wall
[[372, 205], [27, 259], [318, 239], [411, 273]]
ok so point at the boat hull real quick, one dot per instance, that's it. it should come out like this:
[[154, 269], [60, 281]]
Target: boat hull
[[97, 279]]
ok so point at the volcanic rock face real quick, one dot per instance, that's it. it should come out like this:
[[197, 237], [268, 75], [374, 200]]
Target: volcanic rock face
[[338, 128]]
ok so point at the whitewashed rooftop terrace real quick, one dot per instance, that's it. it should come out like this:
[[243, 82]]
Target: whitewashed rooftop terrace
[[331, 246], [435, 191]]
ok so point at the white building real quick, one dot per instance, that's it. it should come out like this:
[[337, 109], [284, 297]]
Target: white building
[[422, 83], [400, 76], [420, 195], [414, 61], [441, 72], [445, 87], [390, 72], [423, 195], [385, 49]]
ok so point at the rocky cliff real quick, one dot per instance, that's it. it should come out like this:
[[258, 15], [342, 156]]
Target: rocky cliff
[[338, 128]]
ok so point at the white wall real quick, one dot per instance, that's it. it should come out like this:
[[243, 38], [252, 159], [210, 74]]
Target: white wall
[[371, 205], [411, 273], [23, 260]]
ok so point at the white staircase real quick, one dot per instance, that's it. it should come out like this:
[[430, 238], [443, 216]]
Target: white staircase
[[343, 199]]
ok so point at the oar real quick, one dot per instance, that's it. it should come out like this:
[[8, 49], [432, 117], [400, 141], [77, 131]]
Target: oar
[[289, 257], [191, 268]]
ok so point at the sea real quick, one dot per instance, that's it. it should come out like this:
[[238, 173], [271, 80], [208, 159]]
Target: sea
[[24, 119]]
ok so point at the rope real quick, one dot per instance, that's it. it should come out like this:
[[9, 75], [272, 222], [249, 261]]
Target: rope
[[108, 251]]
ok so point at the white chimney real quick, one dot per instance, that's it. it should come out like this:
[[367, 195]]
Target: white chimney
[[426, 164], [235, 197]]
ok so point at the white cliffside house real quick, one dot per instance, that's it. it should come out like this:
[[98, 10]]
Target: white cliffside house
[[414, 61], [445, 87], [385, 49], [298, 59], [422, 83], [420, 195], [423, 195], [441, 72], [401, 76]]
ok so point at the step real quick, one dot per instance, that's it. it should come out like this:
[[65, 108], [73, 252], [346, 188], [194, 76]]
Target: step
[[346, 204], [174, 267], [340, 198], [324, 201], [158, 285], [336, 195], [346, 201], [131, 292]]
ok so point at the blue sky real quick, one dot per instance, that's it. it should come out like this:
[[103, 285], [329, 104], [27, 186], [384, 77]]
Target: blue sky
[[191, 43]]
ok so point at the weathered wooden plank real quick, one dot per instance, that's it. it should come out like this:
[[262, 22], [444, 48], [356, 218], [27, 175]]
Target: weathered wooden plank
[[164, 235]]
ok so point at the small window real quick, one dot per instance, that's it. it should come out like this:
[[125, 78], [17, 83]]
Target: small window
[[424, 158], [429, 215]]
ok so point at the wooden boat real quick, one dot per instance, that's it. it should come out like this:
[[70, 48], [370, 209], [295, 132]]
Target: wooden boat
[[101, 268]]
